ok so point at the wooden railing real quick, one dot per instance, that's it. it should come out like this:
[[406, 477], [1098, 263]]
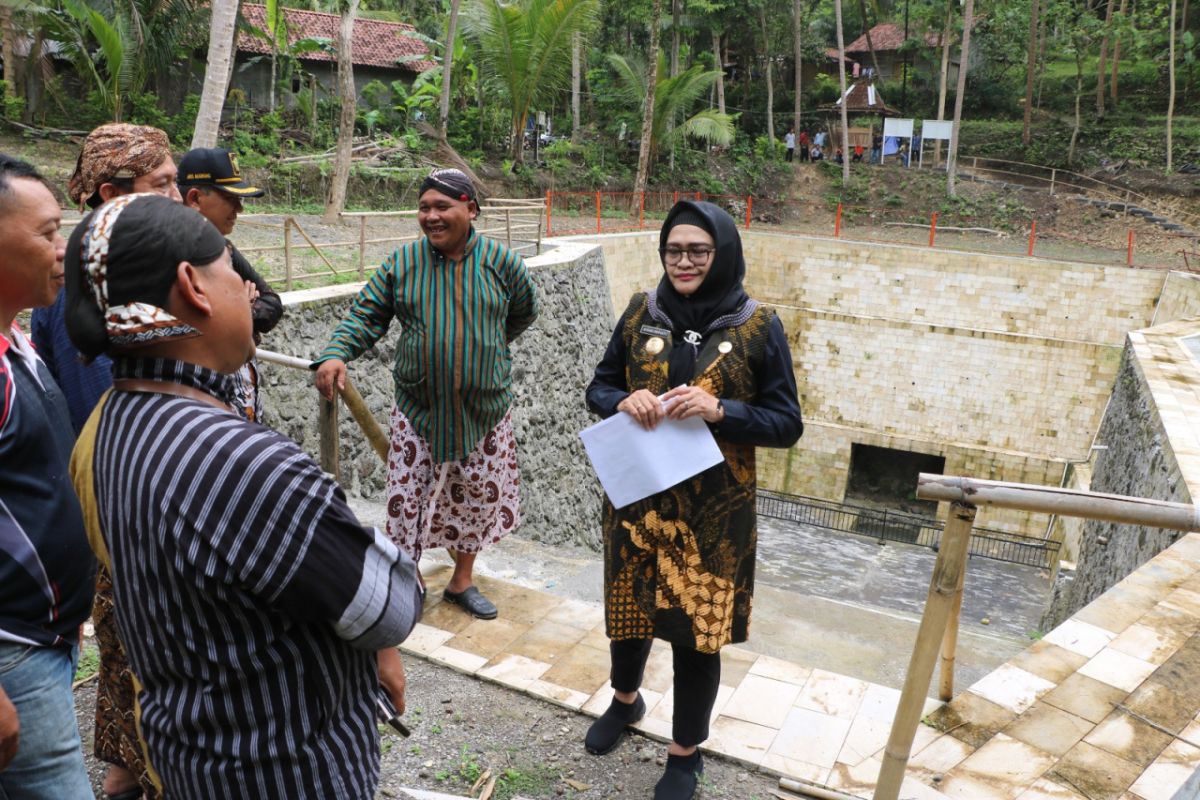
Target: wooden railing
[[327, 416], [938, 632], [518, 223]]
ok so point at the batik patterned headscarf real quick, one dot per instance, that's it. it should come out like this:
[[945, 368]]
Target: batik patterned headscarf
[[116, 150], [453, 183], [121, 264]]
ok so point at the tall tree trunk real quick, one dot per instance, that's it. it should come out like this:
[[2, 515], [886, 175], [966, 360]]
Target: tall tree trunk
[[221, 34], [841, 41], [447, 70], [676, 13], [766, 31], [1078, 101], [576, 73], [1101, 65], [643, 169], [947, 35], [9, 50], [797, 30], [720, 71], [349, 102], [959, 92], [1171, 96], [1030, 69], [237, 9], [1116, 58], [862, 9]]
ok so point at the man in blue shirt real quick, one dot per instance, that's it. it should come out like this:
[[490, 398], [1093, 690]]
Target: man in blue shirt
[[46, 568]]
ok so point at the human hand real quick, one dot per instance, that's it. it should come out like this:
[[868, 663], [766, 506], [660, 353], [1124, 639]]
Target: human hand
[[331, 373], [10, 730], [392, 677], [251, 291], [691, 401], [644, 406]]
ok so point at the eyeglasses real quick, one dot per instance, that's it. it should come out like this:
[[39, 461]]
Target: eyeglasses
[[698, 255]]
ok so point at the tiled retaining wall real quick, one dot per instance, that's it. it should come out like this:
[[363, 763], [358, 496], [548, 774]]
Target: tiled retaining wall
[[1000, 365]]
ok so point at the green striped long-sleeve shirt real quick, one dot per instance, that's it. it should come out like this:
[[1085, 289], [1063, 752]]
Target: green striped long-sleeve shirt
[[453, 370]]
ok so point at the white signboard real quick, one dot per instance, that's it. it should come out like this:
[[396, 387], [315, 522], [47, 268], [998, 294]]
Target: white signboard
[[898, 127], [936, 129]]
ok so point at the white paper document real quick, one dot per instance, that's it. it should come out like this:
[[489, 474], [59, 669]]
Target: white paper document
[[633, 463]]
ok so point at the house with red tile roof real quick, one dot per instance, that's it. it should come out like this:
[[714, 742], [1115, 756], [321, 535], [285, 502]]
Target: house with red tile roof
[[888, 37], [381, 50]]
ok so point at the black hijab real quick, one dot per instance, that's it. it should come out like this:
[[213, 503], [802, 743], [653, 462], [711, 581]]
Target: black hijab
[[720, 295]]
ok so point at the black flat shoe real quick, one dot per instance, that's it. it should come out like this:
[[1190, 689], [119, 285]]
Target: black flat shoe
[[473, 602], [605, 733], [680, 778]]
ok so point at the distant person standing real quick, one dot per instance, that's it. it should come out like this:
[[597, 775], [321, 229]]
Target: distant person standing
[[211, 182], [789, 141], [803, 142]]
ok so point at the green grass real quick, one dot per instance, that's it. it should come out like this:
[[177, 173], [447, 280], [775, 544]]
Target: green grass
[[89, 662]]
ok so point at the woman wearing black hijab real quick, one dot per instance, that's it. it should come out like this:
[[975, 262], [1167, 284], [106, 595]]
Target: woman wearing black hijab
[[679, 565]]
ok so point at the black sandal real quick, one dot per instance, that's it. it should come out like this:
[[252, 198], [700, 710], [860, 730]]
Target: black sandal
[[473, 602]]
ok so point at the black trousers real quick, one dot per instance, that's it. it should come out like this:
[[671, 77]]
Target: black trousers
[[697, 678], [789, 154]]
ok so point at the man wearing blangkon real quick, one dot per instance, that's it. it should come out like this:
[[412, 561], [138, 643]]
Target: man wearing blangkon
[[255, 601]]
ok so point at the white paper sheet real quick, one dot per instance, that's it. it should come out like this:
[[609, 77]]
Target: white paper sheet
[[633, 463]]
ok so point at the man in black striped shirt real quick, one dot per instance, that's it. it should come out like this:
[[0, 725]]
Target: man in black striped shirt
[[250, 600]]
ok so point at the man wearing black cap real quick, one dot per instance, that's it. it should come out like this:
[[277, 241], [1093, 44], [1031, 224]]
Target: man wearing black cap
[[461, 299], [211, 182]]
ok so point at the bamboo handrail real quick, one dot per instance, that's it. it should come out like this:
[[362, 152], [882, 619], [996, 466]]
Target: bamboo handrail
[[1053, 500], [939, 622], [370, 427]]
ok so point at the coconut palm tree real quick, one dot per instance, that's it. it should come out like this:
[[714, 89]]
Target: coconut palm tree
[[216, 72], [524, 48], [673, 97]]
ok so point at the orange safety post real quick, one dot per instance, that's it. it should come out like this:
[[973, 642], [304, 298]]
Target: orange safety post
[[1032, 236], [642, 211], [749, 207], [598, 229], [698, 197], [1129, 250], [548, 216], [837, 223], [932, 228], [675, 199]]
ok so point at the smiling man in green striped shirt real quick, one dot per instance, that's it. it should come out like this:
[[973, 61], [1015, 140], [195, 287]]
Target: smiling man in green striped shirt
[[461, 299]]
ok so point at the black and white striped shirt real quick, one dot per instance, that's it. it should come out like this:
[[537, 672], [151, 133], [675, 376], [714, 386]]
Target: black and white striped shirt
[[250, 600]]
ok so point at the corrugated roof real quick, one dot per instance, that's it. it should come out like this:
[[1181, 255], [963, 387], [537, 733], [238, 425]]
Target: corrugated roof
[[376, 43], [888, 36]]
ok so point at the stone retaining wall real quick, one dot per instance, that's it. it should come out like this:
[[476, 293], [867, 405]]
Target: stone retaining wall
[[552, 364]]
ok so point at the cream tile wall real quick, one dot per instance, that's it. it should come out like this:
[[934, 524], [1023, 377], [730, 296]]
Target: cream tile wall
[[1002, 365]]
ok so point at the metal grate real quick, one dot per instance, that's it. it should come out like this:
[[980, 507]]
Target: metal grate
[[896, 526]]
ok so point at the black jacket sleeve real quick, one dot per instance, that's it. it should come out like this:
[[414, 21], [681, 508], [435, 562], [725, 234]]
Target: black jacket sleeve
[[268, 308], [773, 420], [608, 387]]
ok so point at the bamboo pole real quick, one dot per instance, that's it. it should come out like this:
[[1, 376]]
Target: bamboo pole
[[951, 561], [287, 253], [327, 424], [507, 228], [1064, 502], [313, 245], [362, 247], [814, 790], [950, 643], [366, 420]]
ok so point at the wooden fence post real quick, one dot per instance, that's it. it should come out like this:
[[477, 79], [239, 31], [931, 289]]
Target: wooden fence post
[[951, 561], [327, 423], [549, 208], [508, 228], [287, 253], [362, 247], [950, 643], [642, 211], [1053, 175]]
